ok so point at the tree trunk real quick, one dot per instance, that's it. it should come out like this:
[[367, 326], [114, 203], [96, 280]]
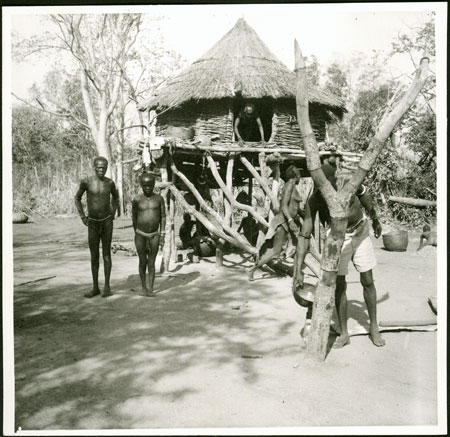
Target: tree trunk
[[337, 202], [419, 203], [324, 297]]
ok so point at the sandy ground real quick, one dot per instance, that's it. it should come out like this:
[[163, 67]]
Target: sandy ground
[[178, 360]]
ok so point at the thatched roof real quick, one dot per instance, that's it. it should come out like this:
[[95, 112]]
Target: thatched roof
[[239, 63]]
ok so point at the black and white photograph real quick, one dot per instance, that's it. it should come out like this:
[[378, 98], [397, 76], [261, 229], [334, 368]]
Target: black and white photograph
[[224, 219]]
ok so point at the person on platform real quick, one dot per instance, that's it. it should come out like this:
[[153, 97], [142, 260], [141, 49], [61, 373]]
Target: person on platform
[[102, 200], [248, 126]]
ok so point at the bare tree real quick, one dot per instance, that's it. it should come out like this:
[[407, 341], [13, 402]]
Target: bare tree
[[338, 201], [101, 46]]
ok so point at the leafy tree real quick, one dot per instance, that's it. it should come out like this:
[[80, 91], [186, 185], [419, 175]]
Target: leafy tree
[[336, 81], [312, 70]]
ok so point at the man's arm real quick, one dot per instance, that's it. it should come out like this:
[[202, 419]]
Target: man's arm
[[366, 201], [115, 198], [78, 195], [303, 243], [261, 129], [236, 130], [134, 212], [285, 199]]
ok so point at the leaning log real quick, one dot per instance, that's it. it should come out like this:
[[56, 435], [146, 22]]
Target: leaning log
[[229, 194], [208, 225], [419, 203], [262, 182]]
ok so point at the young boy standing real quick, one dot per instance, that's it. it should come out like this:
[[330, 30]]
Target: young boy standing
[[149, 222]]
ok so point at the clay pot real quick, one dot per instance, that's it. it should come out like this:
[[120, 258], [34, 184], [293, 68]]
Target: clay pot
[[396, 241]]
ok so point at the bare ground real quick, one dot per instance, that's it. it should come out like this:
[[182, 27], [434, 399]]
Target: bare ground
[[179, 360]]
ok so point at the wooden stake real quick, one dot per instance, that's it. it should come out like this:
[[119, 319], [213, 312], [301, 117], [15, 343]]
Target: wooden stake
[[229, 195], [165, 263], [235, 238], [262, 182], [208, 225]]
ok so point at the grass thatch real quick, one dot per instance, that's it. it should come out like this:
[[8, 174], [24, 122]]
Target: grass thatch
[[240, 63]]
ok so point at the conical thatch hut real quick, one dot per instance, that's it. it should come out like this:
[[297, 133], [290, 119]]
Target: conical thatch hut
[[210, 93]]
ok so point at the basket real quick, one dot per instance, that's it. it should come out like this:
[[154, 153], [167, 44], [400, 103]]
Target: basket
[[396, 241], [19, 217]]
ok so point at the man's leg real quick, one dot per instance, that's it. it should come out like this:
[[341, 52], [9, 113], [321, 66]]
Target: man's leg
[[94, 245], [106, 250], [341, 307], [370, 297], [141, 249], [195, 244], [153, 245], [278, 241]]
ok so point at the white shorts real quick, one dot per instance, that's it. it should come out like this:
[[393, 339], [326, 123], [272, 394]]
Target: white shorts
[[357, 248]]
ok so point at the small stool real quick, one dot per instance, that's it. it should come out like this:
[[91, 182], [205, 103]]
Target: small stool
[[182, 254]]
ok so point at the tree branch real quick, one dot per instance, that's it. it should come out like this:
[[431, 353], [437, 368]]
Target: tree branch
[[57, 114], [385, 128]]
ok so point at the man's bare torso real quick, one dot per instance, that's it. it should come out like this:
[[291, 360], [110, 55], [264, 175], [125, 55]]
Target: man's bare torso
[[149, 212], [98, 197]]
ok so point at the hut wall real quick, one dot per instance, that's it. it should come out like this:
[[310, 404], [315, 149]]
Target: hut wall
[[207, 118], [288, 132]]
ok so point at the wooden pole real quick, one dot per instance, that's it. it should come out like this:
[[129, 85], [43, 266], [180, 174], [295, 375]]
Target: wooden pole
[[229, 194], [208, 225], [419, 203], [234, 237], [275, 184], [232, 147], [165, 263], [262, 182], [173, 247]]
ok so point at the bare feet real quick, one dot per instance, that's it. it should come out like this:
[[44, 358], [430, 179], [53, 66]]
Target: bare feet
[[341, 341], [147, 293], [92, 293], [106, 292], [376, 338], [250, 272]]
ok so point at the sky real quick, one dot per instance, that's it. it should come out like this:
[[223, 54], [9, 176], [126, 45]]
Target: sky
[[326, 31]]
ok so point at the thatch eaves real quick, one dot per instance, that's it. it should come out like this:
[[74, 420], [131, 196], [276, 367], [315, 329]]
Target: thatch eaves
[[239, 63]]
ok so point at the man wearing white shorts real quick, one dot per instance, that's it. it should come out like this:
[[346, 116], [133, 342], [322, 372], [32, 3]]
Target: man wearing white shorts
[[357, 248]]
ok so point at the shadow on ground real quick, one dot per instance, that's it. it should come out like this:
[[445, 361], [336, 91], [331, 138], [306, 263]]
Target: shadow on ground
[[94, 354]]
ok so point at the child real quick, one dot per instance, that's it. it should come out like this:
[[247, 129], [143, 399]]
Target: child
[[428, 237], [149, 222]]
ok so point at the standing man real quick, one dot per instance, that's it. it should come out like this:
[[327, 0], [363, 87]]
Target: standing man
[[357, 248], [100, 190], [248, 126], [149, 223], [285, 223]]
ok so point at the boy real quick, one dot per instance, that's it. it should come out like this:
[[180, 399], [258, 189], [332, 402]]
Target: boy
[[99, 192], [149, 222]]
